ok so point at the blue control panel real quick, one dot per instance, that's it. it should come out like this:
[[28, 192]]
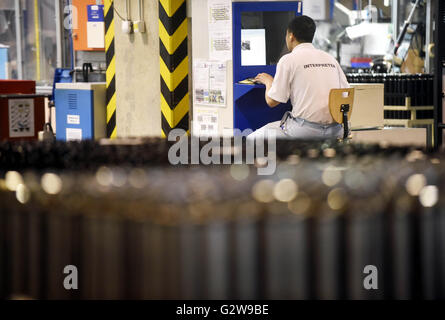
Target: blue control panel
[[96, 13]]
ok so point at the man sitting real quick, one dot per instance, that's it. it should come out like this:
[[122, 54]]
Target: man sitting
[[305, 76]]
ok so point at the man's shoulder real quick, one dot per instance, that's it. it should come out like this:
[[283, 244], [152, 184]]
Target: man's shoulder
[[286, 58], [301, 57], [313, 53], [324, 54]]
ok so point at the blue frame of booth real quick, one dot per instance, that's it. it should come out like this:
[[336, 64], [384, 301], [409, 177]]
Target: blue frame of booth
[[250, 110]]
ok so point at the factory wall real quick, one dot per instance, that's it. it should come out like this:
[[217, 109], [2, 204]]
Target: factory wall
[[137, 74], [200, 44]]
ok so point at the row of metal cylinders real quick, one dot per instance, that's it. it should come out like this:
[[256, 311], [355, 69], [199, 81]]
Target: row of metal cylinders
[[310, 231], [418, 87]]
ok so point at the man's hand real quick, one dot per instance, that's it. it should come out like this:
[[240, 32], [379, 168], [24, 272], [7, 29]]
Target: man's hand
[[265, 79]]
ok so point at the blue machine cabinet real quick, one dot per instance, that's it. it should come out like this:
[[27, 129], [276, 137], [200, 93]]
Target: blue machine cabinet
[[80, 111], [250, 109]]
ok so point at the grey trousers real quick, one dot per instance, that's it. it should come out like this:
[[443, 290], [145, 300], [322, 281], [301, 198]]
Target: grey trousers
[[296, 128]]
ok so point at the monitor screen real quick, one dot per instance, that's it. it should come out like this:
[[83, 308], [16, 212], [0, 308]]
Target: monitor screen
[[263, 36], [253, 47]]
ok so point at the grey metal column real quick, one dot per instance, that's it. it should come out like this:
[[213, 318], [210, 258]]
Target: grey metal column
[[429, 37], [59, 33], [395, 19], [19, 37]]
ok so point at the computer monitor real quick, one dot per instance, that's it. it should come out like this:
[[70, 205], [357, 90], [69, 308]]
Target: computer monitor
[[253, 47], [263, 36]]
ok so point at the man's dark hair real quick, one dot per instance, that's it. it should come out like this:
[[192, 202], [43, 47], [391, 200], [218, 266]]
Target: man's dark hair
[[303, 28]]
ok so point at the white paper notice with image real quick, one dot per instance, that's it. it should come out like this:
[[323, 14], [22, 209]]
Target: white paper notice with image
[[21, 118], [201, 71], [217, 84], [205, 122], [220, 29], [210, 83]]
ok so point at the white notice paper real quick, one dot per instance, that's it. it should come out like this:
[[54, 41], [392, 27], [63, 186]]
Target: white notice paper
[[73, 134], [253, 47], [95, 35], [72, 119], [220, 29], [201, 71], [217, 84], [205, 123], [21, 118], [210, 83]]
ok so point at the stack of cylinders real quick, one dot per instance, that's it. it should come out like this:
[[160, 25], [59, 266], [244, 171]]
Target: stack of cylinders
[[419, 87], [309, 231]]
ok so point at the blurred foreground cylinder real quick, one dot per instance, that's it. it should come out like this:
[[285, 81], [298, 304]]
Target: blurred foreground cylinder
[[360, 226]]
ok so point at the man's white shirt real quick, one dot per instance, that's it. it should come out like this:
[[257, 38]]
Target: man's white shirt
[[306, 77]]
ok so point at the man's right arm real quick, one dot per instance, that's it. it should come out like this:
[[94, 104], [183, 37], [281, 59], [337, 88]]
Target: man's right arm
[[279, 90], [267, 80]]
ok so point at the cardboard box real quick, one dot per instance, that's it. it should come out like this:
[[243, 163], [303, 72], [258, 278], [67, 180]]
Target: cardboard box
[[368, 108], [393, 136]]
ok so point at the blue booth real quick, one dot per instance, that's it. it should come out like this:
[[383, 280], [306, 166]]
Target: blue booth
[[259, 30]]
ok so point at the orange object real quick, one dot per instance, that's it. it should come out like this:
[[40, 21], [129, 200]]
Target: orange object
[[80, 39]]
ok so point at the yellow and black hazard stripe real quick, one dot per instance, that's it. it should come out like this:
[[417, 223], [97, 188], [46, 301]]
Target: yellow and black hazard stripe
[[174, 65], [111, 68]]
